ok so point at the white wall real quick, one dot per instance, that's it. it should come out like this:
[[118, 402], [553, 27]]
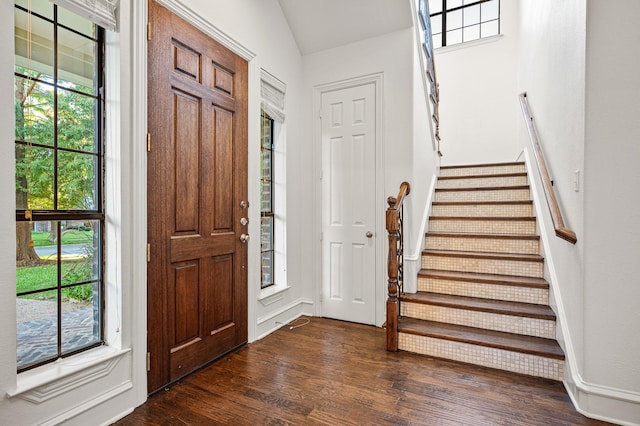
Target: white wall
[[478, 97], [259, 27], [581, 80], [391, 56], [7, 213], [551, 71], [611, 213], [406, 143], [425, 168]]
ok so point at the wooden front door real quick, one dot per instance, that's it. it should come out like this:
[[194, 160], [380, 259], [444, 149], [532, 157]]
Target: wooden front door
[[197, 192]]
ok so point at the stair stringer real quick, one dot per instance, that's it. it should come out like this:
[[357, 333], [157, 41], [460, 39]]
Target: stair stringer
[[412, 260], [555, 296]]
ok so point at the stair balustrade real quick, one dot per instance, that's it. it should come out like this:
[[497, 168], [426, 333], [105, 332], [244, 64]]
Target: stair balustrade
[[394, 219], [430, 66]]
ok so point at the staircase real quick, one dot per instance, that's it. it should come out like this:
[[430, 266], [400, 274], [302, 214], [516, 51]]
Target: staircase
[[482, 298]]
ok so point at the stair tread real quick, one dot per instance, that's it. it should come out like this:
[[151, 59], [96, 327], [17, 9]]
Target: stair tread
[[518, 309], [482, 203], [481, 176], [485, 255], [495, 339], [469, 166], [513, 280], [484, 188], [487, 218], [482, 235]]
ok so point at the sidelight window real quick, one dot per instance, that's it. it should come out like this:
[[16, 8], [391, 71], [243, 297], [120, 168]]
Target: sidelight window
[[459, 21], [267, 221], [60, 215], [272, 185]]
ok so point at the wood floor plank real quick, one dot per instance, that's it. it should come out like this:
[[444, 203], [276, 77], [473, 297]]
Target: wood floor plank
[[336, 373]]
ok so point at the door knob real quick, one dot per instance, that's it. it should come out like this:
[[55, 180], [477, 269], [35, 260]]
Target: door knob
[[369, 234], [244, 238]]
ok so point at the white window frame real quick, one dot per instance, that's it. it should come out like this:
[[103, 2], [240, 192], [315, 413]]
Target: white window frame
[[52, 380], [272, 95]]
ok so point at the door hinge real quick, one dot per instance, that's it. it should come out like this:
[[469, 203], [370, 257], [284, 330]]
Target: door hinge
[[148, 142], [148, 361], [148, 252], [149, 31]]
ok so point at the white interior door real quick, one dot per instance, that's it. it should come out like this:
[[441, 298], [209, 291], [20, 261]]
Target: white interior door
[[348, 203]]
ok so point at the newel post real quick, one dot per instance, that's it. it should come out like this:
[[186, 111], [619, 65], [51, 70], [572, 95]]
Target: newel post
[[393, 308]]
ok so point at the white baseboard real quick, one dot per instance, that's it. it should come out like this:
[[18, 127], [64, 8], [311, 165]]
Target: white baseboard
[[273, 321], [604, 403], [122, 415], [88, 405]]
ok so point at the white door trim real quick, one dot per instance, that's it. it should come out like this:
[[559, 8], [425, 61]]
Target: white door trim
[[380, 240]]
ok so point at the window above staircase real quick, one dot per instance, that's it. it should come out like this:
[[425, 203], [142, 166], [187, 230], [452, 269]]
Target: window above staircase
[[460, 21]]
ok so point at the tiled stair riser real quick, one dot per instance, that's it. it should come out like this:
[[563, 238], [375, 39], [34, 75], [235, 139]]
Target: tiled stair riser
[[490, 321], [495, 245], [491, 210], [484, 195], [483, 266], [474, 195], [485, 182], [509, 293], [531, 365], [527, 227], [483, 170]]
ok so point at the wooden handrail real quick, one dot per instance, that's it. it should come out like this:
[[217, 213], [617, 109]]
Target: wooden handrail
[[558, 223], [394, 263]]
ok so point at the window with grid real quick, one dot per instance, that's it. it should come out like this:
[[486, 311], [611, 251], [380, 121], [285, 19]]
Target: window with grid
[[267, 222], [459, 21], [59, 182]]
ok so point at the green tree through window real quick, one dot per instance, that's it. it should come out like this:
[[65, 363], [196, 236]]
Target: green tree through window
[[59, 189]]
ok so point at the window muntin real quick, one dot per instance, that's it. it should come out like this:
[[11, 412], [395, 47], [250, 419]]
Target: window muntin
[[59, 183], [267, 222], [460, 21]]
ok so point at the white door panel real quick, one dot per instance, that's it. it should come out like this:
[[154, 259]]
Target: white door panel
[[348, 199]]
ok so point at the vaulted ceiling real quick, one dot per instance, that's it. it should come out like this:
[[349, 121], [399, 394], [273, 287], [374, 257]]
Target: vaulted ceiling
[[324, 24]]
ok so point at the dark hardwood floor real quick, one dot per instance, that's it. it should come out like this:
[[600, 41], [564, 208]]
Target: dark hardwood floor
[[338, 373]]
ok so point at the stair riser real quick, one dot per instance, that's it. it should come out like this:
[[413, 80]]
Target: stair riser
[[483, 170], [484, 182], [494, 245], [490, 321], [526, 227], [483, 266], [484, 195], [501, 359], [496, 210], [509, 293]]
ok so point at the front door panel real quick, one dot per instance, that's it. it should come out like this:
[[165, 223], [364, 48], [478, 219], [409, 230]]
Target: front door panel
[[197, 167]]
